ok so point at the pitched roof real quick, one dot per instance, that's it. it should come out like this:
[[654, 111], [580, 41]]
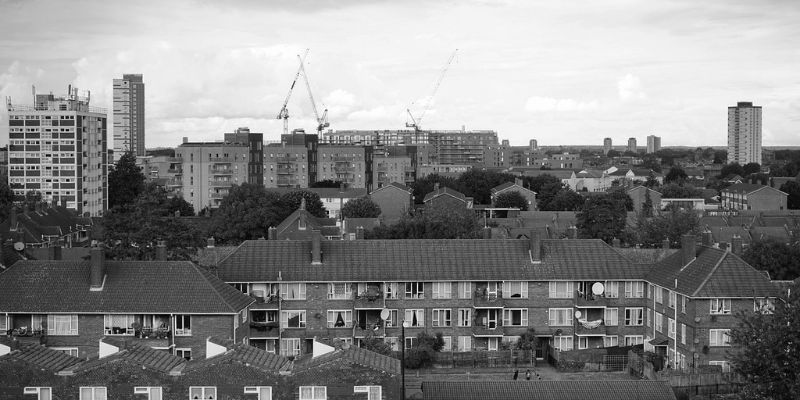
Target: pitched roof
[[747, 188], [558, 173], [130, 287], [713, 273], [509, 185], [724, 234], [425, 260], [394, 185], [43, 357], [444, 191], [547, 389], [350, 354], [131, 351], [780, 234], [244, 354]]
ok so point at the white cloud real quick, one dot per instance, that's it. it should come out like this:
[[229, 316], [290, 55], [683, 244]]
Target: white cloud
[[630, 88], [546, 104]]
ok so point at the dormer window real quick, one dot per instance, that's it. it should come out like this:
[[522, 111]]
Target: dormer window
[[301, 224]]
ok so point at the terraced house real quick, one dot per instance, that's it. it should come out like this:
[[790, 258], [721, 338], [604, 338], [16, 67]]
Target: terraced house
[[70, 305], [480, 294]]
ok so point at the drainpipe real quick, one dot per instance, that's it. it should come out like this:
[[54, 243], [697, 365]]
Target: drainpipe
[[172, 327], [675, 339]]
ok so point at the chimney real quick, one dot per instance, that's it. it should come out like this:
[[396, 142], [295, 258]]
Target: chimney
[[210, 242], [724, 246], [572, 232], [518, 182], [615, 242], [688, 249], [185, 139], [665, 244], [535, 247], [12, 225], [436, 186], [360, 233], [736, 245], [97, 268], [316, 248], [57, 252], [272, 233], [161, 251], [708, 238], [487, 232]]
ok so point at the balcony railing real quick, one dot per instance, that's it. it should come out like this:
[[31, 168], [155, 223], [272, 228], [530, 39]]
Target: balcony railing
[[369, 299], [369, 330], [488, 329], [484, 298], [589, 300], [264, 329]]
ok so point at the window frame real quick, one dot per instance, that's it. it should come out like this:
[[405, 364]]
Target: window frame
[[347, 316], [148, 391], [720, 303], [314, 394], [94, 394], [508, 317], [283, 349], [672, 329], [51, 324], [611, 290], [717, 335], [615, 313], [462, 342], [658, 294], [420, 313], [508, 289], [464, 315], [633, 340], [634, 289], [629, 316], [607, 339], [553, 319], [183, 351], [203, 392], [284, 290], [390, 290], [438, 293], [436, 317], [563, 343], [566, 292], [37, 390], [332, 291], [301, 319], [256, 390], [183, 331], [464, 290], [368, 390], [414, 290], [659, 322], [108, 327]]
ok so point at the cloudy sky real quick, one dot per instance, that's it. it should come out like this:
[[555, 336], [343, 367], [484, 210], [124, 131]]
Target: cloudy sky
[[527, 69]]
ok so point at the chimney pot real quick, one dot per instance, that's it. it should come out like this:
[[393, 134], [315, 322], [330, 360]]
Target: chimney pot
[[688, 249], [210, 242], [360, 233], [161, 251], [97, 270], [737, 243], [708, 238], [487, 232], [436, 186], [572, 232], [665, 244], [272, 233], [615, 242], [316, 247], [535, 246]]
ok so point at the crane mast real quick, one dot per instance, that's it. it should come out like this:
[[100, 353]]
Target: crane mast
[[417, 121], [284, 113], [322, 122]]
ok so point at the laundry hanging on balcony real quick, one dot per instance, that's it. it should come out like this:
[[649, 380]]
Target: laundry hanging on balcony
[[590, 324]]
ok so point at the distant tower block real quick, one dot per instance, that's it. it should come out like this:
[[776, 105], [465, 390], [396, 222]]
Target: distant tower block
[[653, 144], [632, 145], [606, 145], [744, 133]]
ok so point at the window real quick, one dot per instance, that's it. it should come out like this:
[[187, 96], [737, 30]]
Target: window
[[184, 353], [152, 392], [672, 299], [290, 347], [610, 341], [448, 343], [464, 317], [683, 304], [313, 393], [93, 393], [649, 316], [720, 306], [763, 305], [393, 342], [583, 342], [73, 351], [62, 325], [464, 343], [659, 322], [658, 295], [340, 318], [726, 366], [634, 316], [183, 325], [633, 340], [561, 290], [515, 317], [42, 393], [202, 392], [415, 317], [392, 320], [560, 316], [671, 328], [3, 324], [441, 317], [612, 290], [442, 290], [683, 334], [263, 392], [373, 392], [515, 290], [293, 291], [340, 291], [611, 317], [719, 337], [415, 290], [293, 319], [464, 290], [243, 315], [562, 343], [390, 290], [634, 290], [118, 324]]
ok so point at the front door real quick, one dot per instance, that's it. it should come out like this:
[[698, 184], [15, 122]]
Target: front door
[[541, 347]]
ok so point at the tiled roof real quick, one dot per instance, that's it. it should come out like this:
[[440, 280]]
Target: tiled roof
[[425, 260], [713, 273], [352, 354], [130, 287], [555, 390], [158, 360], [724, 234], [747, 188], [444, 191], [207, 257], [712, 221], [779, 234], [244, 354], [51, 221], [740, 220], [43, 357], [394, 185], [509, 185]]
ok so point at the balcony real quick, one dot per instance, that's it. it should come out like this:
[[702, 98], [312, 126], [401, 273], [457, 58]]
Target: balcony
[[489, 329], [372, 298], [264, 329], [287, 171], [219, 183], [27, 335], [590, 328], [222, 159], [269, 302], [153, 337], [222, 171], [218, 195], [590, 301], [369, 331], [285, 159], [486, 299]]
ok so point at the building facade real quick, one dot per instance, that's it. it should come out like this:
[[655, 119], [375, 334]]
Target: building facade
[[744, 133], [653, 144], [57, 147], [607, 145], [750, 196], [351, 165], [631, 145], [129, 115]]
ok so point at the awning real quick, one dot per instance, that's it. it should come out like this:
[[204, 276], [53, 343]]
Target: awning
[[659, 342]]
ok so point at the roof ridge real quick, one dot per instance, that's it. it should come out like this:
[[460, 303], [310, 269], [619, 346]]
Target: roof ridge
[[710, 274], [231, 253], [213, 288]]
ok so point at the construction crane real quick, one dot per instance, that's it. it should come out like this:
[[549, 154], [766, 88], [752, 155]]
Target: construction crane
[[322, 122], [284, 113], [415, 122]]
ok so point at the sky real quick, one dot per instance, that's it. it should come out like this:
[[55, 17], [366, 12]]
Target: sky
[[560, 72]]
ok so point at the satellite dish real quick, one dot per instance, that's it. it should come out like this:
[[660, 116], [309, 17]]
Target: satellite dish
[[578, 313], [19, 246], [384, 314], [598, 289]]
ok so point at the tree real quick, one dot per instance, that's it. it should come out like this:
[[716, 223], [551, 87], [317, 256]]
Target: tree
[[423, 186], [423, 352], [613, 153], [6, 200], [132, 231], [793, 190], [781, 260], [535, 183], [671, 225], [437, 222], [361, 208], [751, 168], [246, 213], [547, 193], [125, 181], [675, 191], [327, 183], [513, 199], [647, 206], [651, 181], [376, 344], [768, 356], [291, 202], [731, 169], [528, 340], [478, 184], [565, 200], [177, 203], [675, 175], [603, 217]]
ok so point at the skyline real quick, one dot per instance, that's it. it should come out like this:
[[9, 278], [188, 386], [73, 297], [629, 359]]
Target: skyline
[[560, 75]]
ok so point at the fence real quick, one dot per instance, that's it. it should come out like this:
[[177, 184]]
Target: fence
[[602, 359], [485, 359], [685, 385]]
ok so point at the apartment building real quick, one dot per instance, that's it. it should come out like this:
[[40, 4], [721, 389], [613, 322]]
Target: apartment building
[[653, 144], [128, 115], [351, 165], [286, 166], [388, 168], [631, 145], [750, 196], [57, 147], [744, 133], [165, 171], [607, 145], [70, 305]]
